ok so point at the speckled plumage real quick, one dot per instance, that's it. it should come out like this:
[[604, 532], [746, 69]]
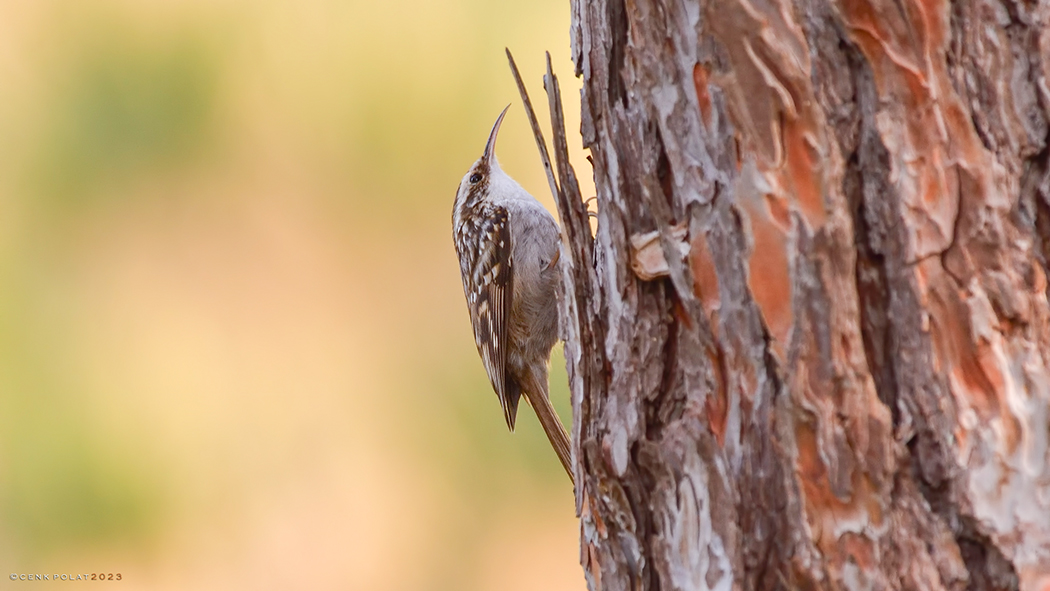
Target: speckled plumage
[[508, 247]]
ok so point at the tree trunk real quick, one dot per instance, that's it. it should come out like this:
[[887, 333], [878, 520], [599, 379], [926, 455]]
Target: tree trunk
[[809, 347]]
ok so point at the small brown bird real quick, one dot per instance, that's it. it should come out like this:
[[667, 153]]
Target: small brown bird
[[508, 247]]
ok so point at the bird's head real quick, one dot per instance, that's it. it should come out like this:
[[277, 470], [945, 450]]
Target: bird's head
[[485, 176]]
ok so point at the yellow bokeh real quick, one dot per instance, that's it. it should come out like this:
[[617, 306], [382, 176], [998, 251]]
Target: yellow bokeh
[[234, 352]]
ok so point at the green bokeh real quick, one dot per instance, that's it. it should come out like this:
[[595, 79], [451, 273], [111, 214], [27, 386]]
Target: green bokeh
[[69, 479], [125, 108]]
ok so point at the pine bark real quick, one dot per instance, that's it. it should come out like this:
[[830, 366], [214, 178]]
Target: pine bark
[[809, 346]]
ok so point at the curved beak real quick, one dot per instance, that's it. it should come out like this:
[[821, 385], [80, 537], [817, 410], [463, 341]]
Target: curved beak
[[490, 146]]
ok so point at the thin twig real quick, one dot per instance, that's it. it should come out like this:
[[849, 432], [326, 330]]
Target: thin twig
[[540, 142], [575, 212]]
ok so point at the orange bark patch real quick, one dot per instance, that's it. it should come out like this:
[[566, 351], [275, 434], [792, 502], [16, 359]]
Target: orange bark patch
[[771, 103], [803, 171], [929, 131], [858, 550], [717, 404], [1038, 278], [951, 338], [779, 211], [930, 190], [1037, 579], [768, 276], [861, 15], [705, 287], [810, 467], [705, 277], [682, 316], [973, 369], [700, 77], [745, 382], [834, 521]]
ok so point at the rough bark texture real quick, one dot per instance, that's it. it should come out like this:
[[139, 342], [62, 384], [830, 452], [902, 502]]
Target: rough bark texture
[[809, 347]]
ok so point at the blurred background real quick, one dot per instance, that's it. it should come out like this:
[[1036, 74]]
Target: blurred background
[[234, 350]]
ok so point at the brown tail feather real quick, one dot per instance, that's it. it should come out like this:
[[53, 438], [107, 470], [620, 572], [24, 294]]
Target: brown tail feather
[[556, 434]]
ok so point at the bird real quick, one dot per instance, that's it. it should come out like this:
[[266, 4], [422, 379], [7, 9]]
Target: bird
[[508, 247]]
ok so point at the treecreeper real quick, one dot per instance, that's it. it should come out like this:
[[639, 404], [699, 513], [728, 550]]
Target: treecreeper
[[508, 247]]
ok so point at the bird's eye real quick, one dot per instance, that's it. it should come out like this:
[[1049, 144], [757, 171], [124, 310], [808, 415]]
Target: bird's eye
[[475, 178]]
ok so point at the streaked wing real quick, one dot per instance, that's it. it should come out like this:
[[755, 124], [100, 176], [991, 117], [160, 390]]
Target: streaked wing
[[488, 284]]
